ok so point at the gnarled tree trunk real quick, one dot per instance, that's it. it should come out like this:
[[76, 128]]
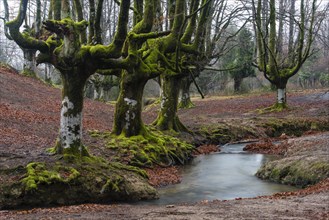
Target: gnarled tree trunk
[[128, 109], [29, 65], [237, 84], [167, 118], [185, 98], [70, 134]]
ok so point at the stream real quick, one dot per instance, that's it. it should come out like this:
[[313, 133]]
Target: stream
[[224, 175]]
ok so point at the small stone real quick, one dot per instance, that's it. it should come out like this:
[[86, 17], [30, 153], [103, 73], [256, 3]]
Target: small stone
[[170, 206]]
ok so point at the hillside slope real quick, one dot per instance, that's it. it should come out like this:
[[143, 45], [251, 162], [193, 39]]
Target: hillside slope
[[29, 114]]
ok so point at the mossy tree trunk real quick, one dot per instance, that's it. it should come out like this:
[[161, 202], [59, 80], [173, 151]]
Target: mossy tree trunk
[[167, 117], [128, 110], [185, 99], [237, 84], [75, 66], [281, 86], [138, 69], [29, 65], [281, 96], [70, 134]]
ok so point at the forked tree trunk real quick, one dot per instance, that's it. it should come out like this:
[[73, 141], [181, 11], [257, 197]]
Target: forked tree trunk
[[128, 109], [167, 118], [70, 134]]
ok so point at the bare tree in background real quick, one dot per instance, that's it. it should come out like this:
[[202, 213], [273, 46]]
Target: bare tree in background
[[279, 55]]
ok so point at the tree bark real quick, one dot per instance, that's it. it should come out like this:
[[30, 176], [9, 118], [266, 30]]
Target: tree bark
[[70, 134], [167, 118], [185, 100], [237, 84], [128, 109], [281, 95], [29, 66]]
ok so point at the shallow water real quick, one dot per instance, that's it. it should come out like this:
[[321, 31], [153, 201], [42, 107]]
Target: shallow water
[[228, 174]]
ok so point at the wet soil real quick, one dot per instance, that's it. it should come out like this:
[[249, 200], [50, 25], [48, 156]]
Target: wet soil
[[29, 123]]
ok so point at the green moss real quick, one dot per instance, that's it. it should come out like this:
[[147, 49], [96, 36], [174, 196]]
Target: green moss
[[97, 134], [37, 173], [277, 107], [129, 168], [224, 132], [186, 104], [292, 127], [51, 150], [29, 73], [112, 184], [154, 147], [301, 172]]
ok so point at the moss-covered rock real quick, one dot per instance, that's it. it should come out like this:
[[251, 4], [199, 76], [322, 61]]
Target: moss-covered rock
[[298, 170], [38, 174], [88, 179]]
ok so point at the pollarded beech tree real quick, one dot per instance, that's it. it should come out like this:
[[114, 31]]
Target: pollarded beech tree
[[140, 64], [280, 57], [217, 37], [181, 46], [147, 55], [75, 61], [29, 63], [198, 46]]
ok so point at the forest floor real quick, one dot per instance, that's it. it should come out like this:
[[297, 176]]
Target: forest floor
[[29, 123]]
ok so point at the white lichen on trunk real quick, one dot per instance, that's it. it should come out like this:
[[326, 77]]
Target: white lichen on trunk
[[130, 114], [29, 65], [185, 96], [281, 96], [130, 102], [70, 129], [163, 101]]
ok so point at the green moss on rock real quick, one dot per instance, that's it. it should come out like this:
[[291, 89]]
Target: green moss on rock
[[298, 171], [37, 173], [61, 182]]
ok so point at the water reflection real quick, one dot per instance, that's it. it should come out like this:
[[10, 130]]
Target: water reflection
[[225, 175]]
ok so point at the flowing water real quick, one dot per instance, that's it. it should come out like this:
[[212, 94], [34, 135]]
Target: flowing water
[[225, 175]]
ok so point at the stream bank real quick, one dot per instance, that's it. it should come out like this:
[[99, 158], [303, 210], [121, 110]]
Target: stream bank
[[119, 183], [309, 203]]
